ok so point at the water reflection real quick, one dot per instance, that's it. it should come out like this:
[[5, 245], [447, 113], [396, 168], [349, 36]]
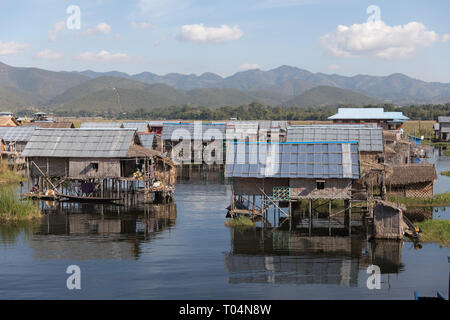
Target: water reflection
[[97, 231], [261, 255]]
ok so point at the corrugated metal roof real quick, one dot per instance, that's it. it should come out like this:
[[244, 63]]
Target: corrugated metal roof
[[147, 139], [139, 126], [443, 119], [241, 129], [369, 139], [80, 143], [293, 160], [200, 131], [13, 134], [98, 125], [367, 113]]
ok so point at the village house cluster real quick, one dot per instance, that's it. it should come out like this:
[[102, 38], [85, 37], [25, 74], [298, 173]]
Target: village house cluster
[[361, 156]]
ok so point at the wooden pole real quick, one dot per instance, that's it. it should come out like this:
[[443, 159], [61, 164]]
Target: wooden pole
[[310, 216]]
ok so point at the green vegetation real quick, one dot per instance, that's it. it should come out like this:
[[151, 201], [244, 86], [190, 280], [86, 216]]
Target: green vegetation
[[446, 173], [12, 209], [442, 199], [240, 221], [447, 152], [435, 231], [7, 175], [250, 111]]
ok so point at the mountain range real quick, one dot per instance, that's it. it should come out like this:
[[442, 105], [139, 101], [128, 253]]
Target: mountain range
[[288, 86]]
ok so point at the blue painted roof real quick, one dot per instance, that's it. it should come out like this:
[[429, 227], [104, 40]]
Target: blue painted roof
[[367, 113]]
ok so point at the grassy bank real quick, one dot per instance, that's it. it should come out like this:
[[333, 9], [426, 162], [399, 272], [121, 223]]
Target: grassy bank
[[442, 199], [12, 209], [240, 221], [435, 231], [446, 173], [7, 175], [419, 128]]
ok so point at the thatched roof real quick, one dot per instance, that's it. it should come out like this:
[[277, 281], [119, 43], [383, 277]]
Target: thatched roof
[[410, 173], [7, 121], [49, 124], [389, 150], [140, 151]]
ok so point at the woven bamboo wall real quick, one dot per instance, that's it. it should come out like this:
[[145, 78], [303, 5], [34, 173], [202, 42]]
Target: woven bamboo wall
[[422, 190]]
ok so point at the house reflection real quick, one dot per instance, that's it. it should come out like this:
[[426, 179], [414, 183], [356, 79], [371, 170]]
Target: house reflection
[[88, 231], [261, 255]]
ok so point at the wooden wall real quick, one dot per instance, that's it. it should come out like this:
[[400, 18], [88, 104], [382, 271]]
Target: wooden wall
[[83, 168], [334, 189], [387, 222]]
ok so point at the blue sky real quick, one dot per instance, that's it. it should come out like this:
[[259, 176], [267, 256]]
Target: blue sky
[[188, 36]]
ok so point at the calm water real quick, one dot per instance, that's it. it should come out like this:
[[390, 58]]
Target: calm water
[[184, 251]]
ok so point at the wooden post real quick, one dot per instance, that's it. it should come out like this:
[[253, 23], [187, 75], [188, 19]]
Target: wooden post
[[329, 217], [290, 215], [347, 215], [310, 216]]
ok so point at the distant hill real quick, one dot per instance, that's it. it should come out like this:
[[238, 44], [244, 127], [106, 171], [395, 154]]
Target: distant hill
[[24, 87], [291, 81], [104, 93], [329, 96], [41, 83]]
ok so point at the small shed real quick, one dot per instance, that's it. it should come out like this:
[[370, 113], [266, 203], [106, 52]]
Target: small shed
[[411, 180], [387, 221], [444, 128]]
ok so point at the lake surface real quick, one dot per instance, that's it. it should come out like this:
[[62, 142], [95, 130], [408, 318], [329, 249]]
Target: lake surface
[[184, 251]]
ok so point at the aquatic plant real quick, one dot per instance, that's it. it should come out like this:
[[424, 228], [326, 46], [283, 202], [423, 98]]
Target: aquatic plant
[[442, 199], [13, 209], [435, 231], [240, 221], [7, 175]]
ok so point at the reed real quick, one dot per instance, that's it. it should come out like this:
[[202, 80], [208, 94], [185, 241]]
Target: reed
[[13, 209], [442, 199], [240, 221], [435, 231], [7, 175]]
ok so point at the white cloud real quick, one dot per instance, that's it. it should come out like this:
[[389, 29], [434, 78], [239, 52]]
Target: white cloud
[[101, 28], [102, 56], [140, 25], [249, 66], [445, 37], [333, 67], [59, 26], [49, 55], [198, 33], [7, 48], [377, 39]]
